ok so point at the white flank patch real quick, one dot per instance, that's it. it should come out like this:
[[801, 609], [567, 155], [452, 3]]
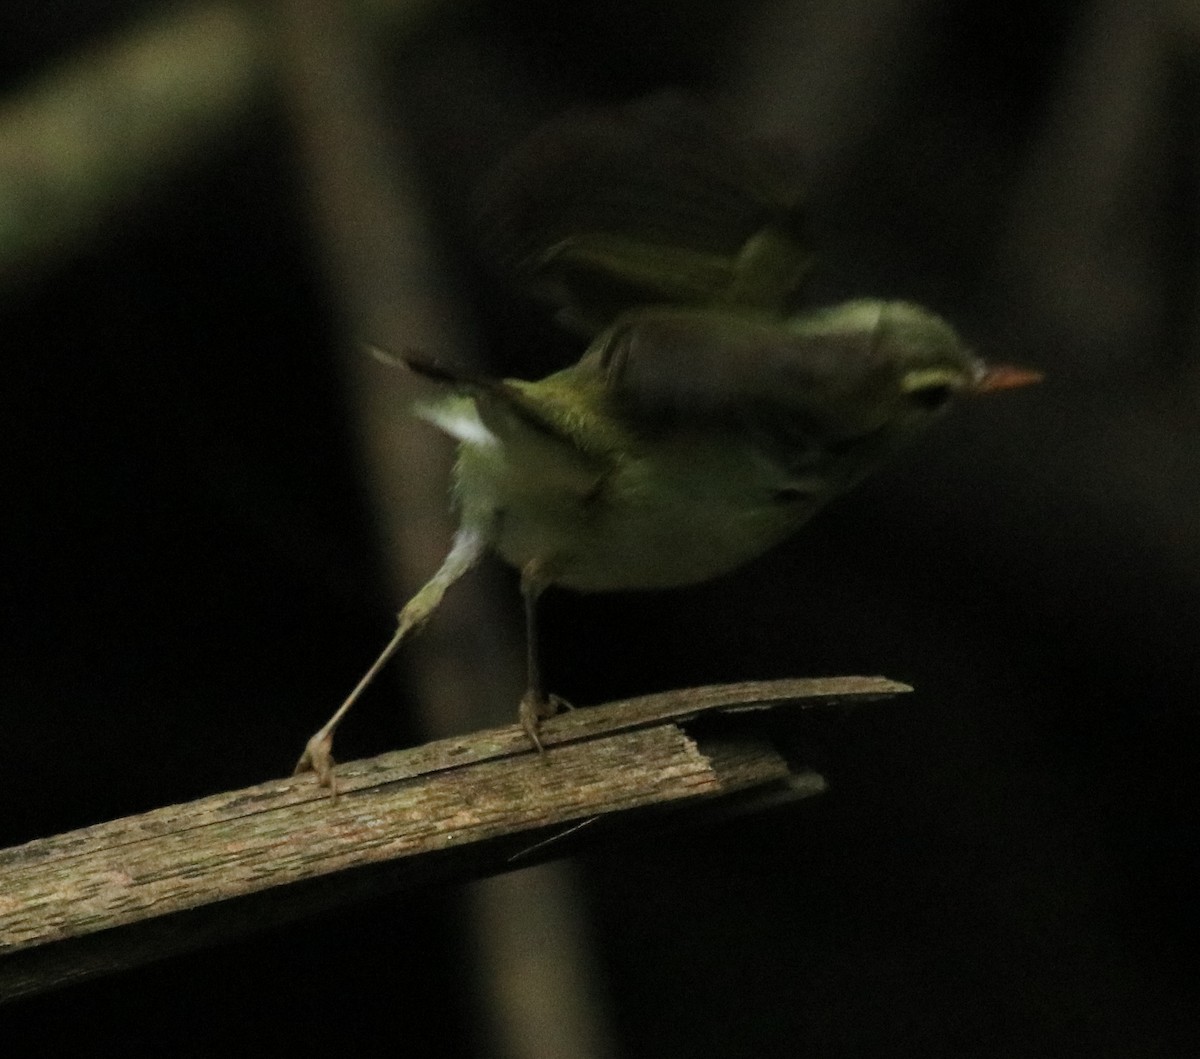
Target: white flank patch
[[459, 418]]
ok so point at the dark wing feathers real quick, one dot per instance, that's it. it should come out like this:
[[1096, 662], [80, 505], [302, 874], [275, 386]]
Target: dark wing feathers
[[665, 366], [662, 201]]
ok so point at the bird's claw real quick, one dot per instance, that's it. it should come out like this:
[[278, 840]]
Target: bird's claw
[[318, 758], [534, 709]]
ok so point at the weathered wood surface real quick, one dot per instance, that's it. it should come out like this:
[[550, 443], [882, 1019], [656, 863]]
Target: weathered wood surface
[[127, 891]]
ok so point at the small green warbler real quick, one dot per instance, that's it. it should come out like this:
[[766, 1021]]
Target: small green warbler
[[704, 423]]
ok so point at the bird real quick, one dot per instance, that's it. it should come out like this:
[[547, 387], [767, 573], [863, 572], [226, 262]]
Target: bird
[[708, 417]]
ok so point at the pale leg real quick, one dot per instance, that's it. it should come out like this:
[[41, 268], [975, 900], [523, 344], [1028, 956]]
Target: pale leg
[[468, 548]]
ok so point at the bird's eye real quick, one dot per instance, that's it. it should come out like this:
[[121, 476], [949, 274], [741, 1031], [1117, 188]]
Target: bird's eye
[[933, 397]]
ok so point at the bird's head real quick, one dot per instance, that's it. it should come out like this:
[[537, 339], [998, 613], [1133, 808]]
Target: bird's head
[[888, 366]]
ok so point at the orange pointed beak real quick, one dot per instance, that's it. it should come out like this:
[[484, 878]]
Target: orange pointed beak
[[996, 377]]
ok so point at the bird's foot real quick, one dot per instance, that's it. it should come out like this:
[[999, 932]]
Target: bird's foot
[[534, 709], [318, 758]]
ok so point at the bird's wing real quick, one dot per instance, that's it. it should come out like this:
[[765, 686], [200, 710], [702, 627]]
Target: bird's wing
[[669, 367], [662, 201]]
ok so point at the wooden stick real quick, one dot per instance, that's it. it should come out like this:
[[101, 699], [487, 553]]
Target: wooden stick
[[124, 892]]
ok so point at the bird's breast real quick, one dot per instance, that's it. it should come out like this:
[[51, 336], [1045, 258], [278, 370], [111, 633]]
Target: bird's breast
[[667, 514]]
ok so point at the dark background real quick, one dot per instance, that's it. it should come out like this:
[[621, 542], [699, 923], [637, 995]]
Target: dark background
[[1006, 862]]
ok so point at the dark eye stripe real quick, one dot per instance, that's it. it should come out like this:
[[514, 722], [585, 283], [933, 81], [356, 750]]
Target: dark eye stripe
[[798, 491], [931, 397], [791, 494]]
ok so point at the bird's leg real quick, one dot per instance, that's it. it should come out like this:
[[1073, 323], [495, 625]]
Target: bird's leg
[[535, 705], [466, 551]]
